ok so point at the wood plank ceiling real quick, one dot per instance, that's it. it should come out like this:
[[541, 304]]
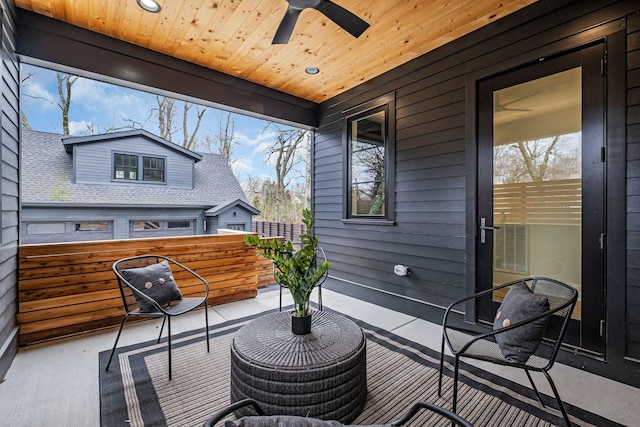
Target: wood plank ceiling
[[234, 36]]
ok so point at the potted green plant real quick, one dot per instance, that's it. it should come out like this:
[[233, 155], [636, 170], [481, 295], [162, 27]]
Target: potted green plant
[[298, 270]]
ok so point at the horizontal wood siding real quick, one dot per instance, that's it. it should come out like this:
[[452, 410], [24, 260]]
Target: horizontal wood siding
[[70, 288], [93, 162], [633, 188], [432, 168], [9, 186]]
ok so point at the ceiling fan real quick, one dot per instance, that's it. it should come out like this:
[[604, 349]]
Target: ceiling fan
[[341, 16], [505, 107]]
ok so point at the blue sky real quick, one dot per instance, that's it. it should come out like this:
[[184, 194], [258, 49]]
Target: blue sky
[[104, 106]]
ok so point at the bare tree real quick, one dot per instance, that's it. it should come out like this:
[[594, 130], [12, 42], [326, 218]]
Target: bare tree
[[190, 141], [368, 167], [544, 159], [224, 141], [23, 117], [92, 128], [65, 82], [285, 153], [166, 113]]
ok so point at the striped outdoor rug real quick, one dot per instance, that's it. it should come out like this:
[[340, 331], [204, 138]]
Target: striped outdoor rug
[[136, 391]]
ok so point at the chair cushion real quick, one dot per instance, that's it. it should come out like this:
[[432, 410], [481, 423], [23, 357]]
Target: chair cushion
[[520, 304], [283, 421], [155, 281]]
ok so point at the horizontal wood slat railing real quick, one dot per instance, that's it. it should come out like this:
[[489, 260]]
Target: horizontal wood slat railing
[[540, 202], [69, 288]]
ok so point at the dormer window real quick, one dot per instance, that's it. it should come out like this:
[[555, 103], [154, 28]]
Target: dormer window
[[153, 169], [126, 167], [132, 167]]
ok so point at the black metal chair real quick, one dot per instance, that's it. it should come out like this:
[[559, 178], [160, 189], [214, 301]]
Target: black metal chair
[[261, 420], [148, 289], [318, 285], [529, 341]]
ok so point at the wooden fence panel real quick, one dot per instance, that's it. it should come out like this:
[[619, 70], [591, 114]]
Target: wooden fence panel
[[69, 288], [287, 231], [547, 202]]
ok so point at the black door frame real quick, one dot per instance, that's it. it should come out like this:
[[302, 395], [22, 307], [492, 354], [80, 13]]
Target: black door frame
[[587, 333], [614, 364]]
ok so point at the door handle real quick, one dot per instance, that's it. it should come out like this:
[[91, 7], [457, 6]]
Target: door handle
[[483, 229]]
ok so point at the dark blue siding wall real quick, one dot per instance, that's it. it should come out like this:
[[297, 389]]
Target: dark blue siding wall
[[435, 182], [633, 187], [9, 162]]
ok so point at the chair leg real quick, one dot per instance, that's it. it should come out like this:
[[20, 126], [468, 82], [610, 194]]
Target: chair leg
[[164, 319], [280, 286], [124, 319], [320, 297], [557, 395], [535, 389], [441, 368], [455, 384], [169, 342], [206, 323]]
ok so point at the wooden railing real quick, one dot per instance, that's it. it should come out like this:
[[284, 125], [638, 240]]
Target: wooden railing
[[540, 202], [69, 288], [263, 265]]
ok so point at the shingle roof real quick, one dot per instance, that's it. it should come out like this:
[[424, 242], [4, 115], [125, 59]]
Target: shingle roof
[[47, 170]]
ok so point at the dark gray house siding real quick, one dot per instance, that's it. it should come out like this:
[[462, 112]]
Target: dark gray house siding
[[9, 161], [435, 170], [633, 187]]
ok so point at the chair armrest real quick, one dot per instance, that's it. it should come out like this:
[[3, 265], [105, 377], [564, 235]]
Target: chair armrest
[[434, 408], [471, 297], [218, 416], [570, 303]]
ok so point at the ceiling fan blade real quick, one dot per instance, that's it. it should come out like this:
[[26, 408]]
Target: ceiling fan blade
[[288, 23], [345, 19]]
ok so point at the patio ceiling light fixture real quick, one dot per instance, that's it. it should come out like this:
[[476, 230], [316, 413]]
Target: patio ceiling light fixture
[[312, 70], [149, 5]]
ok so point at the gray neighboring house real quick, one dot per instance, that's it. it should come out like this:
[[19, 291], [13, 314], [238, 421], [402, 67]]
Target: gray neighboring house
[[124, 185]]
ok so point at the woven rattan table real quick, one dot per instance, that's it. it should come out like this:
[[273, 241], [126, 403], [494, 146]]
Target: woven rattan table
[[321, 374]]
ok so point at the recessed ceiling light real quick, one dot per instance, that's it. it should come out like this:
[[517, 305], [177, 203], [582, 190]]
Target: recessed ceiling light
[[149, 5], [312, 70]]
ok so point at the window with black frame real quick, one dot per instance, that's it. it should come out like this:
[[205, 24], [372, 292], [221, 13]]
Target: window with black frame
[[126, 166], [153, 169], [370, 152]]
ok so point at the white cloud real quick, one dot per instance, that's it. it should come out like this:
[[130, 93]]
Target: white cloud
[[38, 95], [79, 128], [242, 165], [109, 100]]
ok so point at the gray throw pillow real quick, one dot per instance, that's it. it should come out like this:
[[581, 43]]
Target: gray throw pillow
[[520, 304], [155, 281]]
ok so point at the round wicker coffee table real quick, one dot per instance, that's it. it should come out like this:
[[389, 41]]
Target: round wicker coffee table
[[320, 375]]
